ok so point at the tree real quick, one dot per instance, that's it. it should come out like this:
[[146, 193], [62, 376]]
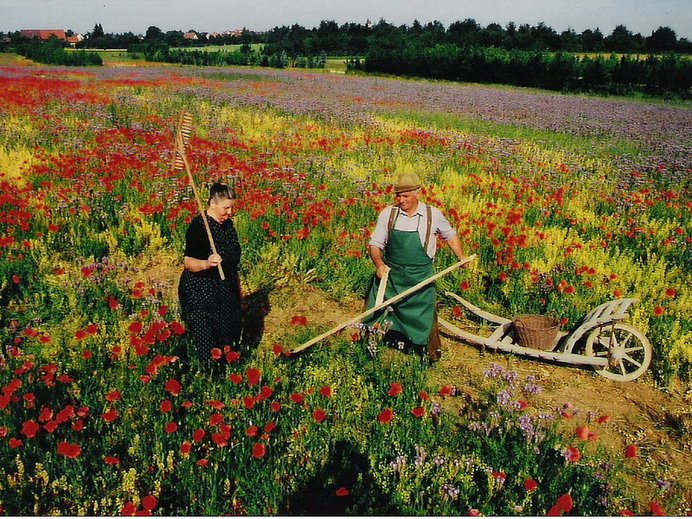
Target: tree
[[661, 40], [592, 41], [622, 40], [97, 32], [153, 34]]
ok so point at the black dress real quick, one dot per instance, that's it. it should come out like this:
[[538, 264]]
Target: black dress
[[211, 307]]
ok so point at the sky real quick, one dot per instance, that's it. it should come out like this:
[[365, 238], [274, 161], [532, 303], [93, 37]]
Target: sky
[[119, 16]]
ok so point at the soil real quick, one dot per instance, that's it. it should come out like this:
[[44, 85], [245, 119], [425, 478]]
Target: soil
[[657, 420]]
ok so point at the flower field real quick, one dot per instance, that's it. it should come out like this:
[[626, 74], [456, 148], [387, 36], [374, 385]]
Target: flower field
[[567, 201]]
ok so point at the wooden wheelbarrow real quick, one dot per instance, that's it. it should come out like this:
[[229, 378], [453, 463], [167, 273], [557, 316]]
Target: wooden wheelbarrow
[[602, 340]]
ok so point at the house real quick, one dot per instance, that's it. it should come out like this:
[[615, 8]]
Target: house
[[74, 40], [43, 34], [191, 36]]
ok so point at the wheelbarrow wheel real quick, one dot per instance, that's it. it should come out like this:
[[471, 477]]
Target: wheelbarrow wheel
[[627, 349]]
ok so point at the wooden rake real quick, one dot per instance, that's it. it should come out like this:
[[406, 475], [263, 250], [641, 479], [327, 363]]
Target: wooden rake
[[182, 139], [384, 304]]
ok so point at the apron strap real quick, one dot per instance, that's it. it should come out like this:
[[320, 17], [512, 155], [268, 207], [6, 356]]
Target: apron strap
[[392, 218], [429, 228]]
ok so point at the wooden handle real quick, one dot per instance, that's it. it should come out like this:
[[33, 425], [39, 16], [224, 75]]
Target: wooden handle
[[384, 304], [181, 150], [382, 288]]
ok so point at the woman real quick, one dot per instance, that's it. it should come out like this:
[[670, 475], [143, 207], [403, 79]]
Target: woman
[[211, 306]]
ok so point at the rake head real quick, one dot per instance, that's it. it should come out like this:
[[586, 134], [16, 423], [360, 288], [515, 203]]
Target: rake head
[[185, 129]]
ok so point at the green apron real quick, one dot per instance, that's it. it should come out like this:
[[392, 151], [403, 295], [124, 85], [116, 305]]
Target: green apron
[[409, 264]]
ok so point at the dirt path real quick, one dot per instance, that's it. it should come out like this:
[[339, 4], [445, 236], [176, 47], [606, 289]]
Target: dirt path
[[657, 421]]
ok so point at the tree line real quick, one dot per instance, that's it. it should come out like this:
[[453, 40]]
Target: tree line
[[525, 55]]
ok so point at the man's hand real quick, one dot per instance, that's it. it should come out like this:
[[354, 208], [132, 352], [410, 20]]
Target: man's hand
[[382, 270]]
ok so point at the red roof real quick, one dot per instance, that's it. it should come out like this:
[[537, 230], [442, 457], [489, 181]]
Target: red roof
[[43, 34]]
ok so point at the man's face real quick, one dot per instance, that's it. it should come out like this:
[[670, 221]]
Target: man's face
[[408, 200]]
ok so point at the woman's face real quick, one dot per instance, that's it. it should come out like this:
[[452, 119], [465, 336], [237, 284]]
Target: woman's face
[[222, 209]]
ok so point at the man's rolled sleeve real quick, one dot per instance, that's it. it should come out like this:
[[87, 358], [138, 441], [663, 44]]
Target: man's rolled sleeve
[[379, 235], [443, 226]]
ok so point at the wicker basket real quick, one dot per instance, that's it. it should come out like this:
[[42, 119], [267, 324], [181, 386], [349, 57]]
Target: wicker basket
[[536, 331]]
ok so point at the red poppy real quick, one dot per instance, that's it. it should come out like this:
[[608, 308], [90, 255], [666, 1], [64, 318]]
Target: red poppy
[[171, 427], [236, 378], [626, 513], [113, 396], [149, 502], [530, 485], [343, 492], [52, 425], [326, 392], [15, 443], [522, 405], [177, 328], [185, 448], [111, 460], [671, 292], [446, 391], [203, 462], [603, 419], [386, 416], [216, 419], [297, 398], [65, 414], [253, 376], [92, 329], [128, 509], [166, 406], [582, 432], [173, 387], [299, 320], [216, 404], [232, 356], [424, 396], [395, 389], [216, 353], [259, 450], [657, 509], [249, 402], [276, 406], [270, 427], [277, 349], [111, 415], [631, 451], [252, 431], [69, 450], [46, 414], [80, 335], [659, 311], [418, 412], [16, 279], [565, 502], [135, 327], [555, 511], [198, 435], [464, 285], [30, 428], [573, 454], [319, 415]]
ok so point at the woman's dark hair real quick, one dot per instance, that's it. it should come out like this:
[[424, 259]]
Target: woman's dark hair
[[219, 191]]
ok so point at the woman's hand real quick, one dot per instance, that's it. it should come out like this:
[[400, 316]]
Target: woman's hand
[[214, 261]]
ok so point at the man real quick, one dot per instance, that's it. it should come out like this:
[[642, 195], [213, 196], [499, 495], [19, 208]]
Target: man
[[405, 242]]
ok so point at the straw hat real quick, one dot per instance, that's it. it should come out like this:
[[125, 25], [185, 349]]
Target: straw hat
[[406, 182]]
